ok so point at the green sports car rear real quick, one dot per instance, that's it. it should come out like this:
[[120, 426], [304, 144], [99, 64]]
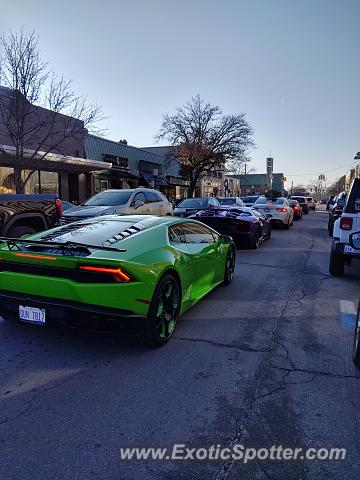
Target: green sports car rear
[[140, 272]]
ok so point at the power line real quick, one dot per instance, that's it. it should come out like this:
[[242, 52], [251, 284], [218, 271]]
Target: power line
[[318, 173]]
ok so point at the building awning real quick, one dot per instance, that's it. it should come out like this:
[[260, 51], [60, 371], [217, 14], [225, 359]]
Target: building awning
[[150, 178], [180, 182], [50, 161], [118, 173]]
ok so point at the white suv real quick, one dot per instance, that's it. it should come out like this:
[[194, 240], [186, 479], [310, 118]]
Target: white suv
[[139, 201], [341, 250]]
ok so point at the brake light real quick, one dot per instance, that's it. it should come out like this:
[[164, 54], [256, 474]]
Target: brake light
[[118, 274], [346, 223], [282, 209], [58, 205], [34, 257]]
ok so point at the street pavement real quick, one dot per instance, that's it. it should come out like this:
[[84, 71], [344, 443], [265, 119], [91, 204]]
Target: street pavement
[[265, 361]]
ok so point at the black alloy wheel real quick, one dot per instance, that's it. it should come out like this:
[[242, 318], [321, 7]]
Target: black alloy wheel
[[229, 266], [163, 312]]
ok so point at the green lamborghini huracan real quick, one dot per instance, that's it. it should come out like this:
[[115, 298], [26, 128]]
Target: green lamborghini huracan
[[137, 271]]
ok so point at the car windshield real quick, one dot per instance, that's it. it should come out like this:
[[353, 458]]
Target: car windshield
[[108, 199], [193, 203], [264, 200], [227, 201], [299, 199], [249, 199]]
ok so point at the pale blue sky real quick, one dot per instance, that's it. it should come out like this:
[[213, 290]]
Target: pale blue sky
[[291, 65]]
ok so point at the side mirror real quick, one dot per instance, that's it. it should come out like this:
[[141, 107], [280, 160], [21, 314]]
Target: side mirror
[[138, 203], [226, 239], [355, 240]]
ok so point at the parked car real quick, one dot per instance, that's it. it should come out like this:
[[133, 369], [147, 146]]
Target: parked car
[[138, 201], [311, 202], [356, 342], [295, 205], [335, 211], [192, 205], [66, 205], [345, 227], [279, 209], [246, 226], [140, 272], [231, 201], [250, 200], [330, 201], [302, 201], [22, 214]]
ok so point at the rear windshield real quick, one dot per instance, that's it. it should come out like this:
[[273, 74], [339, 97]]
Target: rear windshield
[[194, 202], [299, 199], [227, 201], [108, 199], [264, 200], [249, 199]]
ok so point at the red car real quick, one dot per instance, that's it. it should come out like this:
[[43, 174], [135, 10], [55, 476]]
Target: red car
[[295, 205]]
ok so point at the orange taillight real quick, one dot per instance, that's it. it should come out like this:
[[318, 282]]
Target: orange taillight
[[34, 257], [118, 274]]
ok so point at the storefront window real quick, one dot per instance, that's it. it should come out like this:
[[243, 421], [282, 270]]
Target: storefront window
[[7, 180], [40, 182], [101, 184]]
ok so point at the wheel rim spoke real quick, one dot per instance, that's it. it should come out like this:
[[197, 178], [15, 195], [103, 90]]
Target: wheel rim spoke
[[167, 310]]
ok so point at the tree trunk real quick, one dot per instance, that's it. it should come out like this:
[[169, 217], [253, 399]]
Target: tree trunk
[[19, 186], [192, 186]]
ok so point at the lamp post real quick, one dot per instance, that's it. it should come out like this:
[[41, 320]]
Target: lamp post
[[155, 173]]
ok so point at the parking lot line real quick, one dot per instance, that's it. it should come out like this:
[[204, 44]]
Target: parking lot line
[[347, 314]]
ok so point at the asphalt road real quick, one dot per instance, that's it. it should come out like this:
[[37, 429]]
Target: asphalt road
[[265, 361]]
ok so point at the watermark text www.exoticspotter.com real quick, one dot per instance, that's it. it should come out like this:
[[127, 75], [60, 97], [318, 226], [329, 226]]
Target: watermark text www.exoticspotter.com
[[238, 452]]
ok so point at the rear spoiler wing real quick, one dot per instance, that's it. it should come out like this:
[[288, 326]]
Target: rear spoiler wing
[[65, 247]]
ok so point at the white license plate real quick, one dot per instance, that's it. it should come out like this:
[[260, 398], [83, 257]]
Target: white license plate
[[349, 249], [32, 315]]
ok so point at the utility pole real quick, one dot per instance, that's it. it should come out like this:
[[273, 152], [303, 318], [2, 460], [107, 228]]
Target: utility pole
[[245, 180]]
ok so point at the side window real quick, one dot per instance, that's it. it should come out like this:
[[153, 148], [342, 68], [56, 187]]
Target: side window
[[159, 198], [151, 197], [195, 233], [176, 234], [139, 196]]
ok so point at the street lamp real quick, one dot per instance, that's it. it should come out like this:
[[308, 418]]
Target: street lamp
[[155, 174]]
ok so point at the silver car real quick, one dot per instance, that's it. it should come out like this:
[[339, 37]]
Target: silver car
[[137, 201]]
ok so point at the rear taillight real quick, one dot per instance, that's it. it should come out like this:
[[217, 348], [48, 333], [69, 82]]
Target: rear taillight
[[117, 273], [346, 223], [281, 209], [58, 205]]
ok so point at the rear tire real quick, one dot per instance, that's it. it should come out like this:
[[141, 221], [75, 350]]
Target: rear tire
[[19, 231], [229, 266], [337, 263], [255, 241], [163, 312], [330, 228]]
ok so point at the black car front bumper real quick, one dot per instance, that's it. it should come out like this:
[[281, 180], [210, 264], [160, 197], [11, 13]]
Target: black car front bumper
[[72, 314]]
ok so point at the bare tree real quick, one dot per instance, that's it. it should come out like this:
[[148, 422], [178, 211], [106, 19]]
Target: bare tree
[[202, 138], [30, 105], [319, 186]]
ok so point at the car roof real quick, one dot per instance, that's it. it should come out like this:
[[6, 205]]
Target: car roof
[[130, 190]]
